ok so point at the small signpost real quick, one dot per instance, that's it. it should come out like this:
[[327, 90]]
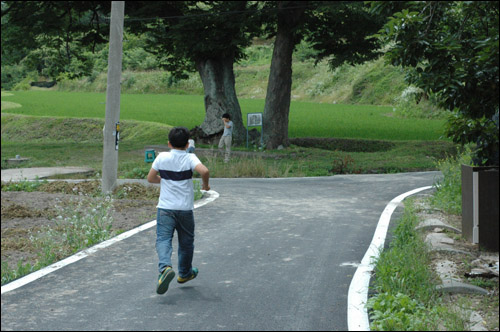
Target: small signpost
[[255, 120]]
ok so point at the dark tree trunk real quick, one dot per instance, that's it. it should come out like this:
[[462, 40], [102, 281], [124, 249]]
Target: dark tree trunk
[[277, 106], [220, 97]]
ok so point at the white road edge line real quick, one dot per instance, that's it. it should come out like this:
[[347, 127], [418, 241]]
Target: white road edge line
[[357, 314], [212, 196]]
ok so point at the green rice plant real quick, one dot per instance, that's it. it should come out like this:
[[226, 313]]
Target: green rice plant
[[306, 119]]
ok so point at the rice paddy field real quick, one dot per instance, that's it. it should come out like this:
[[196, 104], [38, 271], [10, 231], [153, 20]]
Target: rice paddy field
[[54, 128], [307, 119]]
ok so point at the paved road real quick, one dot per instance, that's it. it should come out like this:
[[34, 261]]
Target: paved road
[[272, 255]]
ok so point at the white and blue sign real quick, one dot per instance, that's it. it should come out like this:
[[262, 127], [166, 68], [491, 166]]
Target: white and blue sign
[[255, 120]]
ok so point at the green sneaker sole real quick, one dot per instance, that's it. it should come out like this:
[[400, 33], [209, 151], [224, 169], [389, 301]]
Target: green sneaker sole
[[164, 280], [181, 280]]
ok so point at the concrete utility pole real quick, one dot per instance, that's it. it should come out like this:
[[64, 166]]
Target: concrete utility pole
[[111, 128]]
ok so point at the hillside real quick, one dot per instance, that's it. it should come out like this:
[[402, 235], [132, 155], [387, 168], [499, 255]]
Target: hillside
[[370, 83]]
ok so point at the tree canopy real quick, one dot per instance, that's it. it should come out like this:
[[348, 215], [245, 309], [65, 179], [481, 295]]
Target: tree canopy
[[452, 50]]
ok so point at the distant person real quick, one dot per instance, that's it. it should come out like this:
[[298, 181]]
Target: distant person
[[190, 148], [227, 136], [174, 171]]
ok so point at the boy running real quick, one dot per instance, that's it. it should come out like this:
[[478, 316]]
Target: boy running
[[174, 171]]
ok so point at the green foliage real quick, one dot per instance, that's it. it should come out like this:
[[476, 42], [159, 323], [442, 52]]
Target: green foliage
[[179, 44], [482, 131], [405, 298], [341, 121], [11, 75], [9, 274], [448, 195], [399, 313], [138, 173], [404, 268], [77, 226], [452, 48], [342, 32], [24, 185], [412, 103]]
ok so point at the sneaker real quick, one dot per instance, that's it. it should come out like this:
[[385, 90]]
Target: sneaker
[[193, 275], [164, 280]]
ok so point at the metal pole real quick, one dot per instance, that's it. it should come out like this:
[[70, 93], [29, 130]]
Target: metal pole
[[110, 148]]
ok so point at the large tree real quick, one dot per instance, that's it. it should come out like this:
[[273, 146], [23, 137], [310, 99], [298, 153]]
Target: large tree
[[339, 31], [451, 49], [206, 36]]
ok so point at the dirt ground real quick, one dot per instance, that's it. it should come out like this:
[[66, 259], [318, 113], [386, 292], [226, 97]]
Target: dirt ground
[[26, 213]]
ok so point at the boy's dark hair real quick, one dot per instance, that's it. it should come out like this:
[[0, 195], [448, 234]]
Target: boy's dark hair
[[178, 137], [226, 115]]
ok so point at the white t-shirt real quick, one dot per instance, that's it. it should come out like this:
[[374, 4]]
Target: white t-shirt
[[176, 170]]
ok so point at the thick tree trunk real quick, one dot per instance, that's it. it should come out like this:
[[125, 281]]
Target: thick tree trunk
[[277, 106], [220, 97]]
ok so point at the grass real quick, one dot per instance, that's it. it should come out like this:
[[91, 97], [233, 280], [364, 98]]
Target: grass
[[307, 119], [448, 196], [49, 131], [405, 297], [51, 141]]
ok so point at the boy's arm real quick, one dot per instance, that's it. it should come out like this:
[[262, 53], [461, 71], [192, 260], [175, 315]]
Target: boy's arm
[[205, 175], [153, 176]]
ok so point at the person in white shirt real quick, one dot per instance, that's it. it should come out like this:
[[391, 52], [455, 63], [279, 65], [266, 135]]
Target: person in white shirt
[[174, 171], [227, 136]]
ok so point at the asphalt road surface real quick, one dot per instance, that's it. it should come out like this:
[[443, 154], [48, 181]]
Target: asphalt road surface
[[273, 254]]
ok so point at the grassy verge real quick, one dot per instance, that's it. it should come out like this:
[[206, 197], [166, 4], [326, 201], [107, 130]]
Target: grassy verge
[[51, 141], [448, 196], [405, 297]]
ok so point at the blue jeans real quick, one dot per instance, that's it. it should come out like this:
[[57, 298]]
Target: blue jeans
[[167, 221]]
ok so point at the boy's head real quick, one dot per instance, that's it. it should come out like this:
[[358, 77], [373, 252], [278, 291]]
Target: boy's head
[[178, 137], [226, 116]]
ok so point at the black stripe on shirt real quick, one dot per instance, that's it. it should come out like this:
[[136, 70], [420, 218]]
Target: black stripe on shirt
[[176, 176]]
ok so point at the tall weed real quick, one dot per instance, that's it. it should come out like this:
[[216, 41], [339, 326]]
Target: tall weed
[[448, 196], [405, 297], [78, 225]]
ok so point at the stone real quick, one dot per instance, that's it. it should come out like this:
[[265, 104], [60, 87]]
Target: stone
[[452, 286], [433, 223]]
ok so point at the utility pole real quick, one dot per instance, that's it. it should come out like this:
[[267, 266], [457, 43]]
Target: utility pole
[[112, 125]]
